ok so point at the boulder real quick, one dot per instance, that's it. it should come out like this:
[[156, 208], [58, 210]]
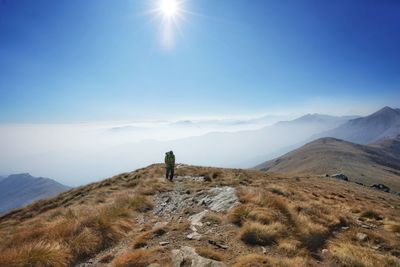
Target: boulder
[[340, 176], [220, 199], [381, 187], [187, 256]]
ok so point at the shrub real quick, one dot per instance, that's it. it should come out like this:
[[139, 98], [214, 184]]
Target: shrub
[[259, 234]]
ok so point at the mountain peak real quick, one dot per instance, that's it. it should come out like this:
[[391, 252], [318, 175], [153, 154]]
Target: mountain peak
[[386, 111]]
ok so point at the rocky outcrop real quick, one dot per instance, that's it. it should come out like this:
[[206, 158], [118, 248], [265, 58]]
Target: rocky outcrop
[[187, 256], [340, 176], [221, 198], [381, 187]]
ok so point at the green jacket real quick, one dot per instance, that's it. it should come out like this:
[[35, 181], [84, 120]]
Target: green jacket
[[169, 160]]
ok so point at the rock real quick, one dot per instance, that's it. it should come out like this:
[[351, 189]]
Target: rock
[[264, 250], [381, 187], [194, 236], [218, 244], [376, 247], [160, 225], [345, 228], [362, 237], [196, 218], [340, 176], [208, 223], [221, 199], [324, 251], [163, 243], [186, 256]]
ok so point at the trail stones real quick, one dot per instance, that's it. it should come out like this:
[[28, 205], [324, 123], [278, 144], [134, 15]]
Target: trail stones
[[186, 256], [163, 243]]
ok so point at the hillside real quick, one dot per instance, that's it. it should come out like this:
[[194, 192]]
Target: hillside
[[206, 217], [383, 124], [17, 190], [377, 163]]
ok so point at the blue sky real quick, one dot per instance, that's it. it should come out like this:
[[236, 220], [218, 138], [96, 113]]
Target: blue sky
[[104, 60]]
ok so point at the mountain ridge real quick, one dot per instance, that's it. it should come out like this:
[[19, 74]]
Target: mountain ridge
[[17, 190], [378, 163]]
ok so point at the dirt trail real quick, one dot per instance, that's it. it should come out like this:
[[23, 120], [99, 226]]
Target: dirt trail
[[172, 206]]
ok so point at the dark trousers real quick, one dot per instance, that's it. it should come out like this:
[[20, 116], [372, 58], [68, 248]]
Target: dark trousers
[[169, 173]]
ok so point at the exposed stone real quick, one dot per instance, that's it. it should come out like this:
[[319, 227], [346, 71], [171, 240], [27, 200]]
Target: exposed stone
[[163, 243], [362, 237], [218, 244], [194, 236], [381, 187], [340, 176], [186, 256], [221, 199], [324, 251], [196, 218]]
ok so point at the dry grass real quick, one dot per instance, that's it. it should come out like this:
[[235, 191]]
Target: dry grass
[[251, 260], [370, 214], [137, 258], [239, 214], [209, 253], [36, 254], [393, 226], [259, 234], [349, 255], [295, 218]]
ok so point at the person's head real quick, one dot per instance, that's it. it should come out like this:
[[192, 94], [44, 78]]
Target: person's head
[[171, 152]]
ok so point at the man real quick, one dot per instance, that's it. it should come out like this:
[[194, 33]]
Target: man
[[169, 165]]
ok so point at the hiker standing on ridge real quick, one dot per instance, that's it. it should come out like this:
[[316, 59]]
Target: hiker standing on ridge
[[169, 165]]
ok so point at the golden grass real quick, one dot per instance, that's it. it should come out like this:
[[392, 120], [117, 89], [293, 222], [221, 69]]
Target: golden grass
[[349, 255], [41, 254], [251, 260], [137, 258], [239, 214], [258, 234], [370, 214], [209, 253], [392, 226], [257, 260]]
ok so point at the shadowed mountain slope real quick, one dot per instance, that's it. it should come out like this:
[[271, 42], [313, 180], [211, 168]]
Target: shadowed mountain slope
[[17, 190], [378, 126], [378, 163]]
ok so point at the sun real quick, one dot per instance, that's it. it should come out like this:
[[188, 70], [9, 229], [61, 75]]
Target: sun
[[169, 8]]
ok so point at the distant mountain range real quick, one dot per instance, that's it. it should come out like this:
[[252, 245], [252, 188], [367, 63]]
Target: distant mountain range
[[367, 164], [378, 126], [18, 190]]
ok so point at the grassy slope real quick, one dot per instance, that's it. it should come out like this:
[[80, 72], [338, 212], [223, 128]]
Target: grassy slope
[[293, 218], [364, 164]]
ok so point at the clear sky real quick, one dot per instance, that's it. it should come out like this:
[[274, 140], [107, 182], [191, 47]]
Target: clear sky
[[77, 60]]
